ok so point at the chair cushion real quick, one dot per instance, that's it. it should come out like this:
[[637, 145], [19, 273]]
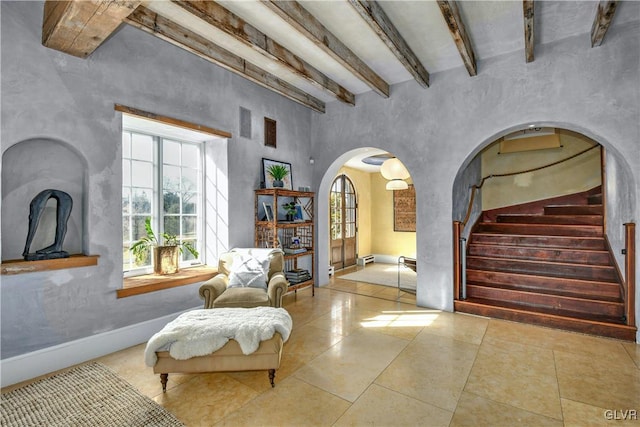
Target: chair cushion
[[242, 297], [248, 271]]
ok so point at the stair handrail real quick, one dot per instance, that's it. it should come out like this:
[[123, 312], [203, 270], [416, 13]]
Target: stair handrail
[[476, 187]]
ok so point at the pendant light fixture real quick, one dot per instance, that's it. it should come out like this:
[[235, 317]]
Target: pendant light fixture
[[396, 173]]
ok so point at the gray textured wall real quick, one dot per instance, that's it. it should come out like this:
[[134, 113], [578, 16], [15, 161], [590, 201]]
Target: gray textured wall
[[438, 130], [48, 94]]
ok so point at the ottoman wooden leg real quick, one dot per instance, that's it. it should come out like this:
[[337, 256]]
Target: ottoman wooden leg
[[163, 380], [272, 375]]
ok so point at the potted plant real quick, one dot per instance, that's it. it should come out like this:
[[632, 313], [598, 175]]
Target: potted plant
[[165, 253], [278, 173], [291, 210]]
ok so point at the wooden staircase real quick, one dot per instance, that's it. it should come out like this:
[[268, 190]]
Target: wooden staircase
[[552, 268]]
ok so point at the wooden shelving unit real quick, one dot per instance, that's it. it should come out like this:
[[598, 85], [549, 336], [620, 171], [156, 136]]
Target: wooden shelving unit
[[277, 232]]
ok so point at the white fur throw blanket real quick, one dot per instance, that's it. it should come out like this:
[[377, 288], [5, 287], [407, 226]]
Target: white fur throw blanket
[[201, 332]]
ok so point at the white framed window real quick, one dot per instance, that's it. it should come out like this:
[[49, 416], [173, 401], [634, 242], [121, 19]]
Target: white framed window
[[162, 179]]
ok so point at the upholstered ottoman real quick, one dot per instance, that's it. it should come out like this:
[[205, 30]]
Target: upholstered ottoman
[[220, 340]]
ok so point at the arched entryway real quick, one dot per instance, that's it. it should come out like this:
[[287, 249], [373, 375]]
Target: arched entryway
[[532, 237], [343, 222]]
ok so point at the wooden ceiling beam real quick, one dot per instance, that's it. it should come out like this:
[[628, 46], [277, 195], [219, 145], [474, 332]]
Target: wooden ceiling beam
[[167, 30], [78, 27], [300, 19], [379, 22], [528, 13], [232, 25], [604, 15], [449, 9]]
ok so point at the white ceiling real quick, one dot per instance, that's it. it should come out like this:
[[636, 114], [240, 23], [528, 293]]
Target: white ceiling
[[494, 27]]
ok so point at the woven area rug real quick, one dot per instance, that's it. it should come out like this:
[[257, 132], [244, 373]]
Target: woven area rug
[[384, 274], [88, 395]]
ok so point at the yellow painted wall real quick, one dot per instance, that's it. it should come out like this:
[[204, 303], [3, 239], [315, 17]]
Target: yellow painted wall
[[573, 176], [375, 217]]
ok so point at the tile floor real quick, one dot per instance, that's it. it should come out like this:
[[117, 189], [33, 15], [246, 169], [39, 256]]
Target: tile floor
[[358, 356]]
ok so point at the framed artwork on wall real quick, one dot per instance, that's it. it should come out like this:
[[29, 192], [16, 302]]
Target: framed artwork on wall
[[277, 174], [404, 209]]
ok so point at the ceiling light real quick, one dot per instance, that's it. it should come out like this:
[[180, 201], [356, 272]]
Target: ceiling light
[[394, 169], [397, 184]]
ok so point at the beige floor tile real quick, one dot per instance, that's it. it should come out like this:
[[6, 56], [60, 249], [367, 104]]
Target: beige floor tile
[[458, 326], [259, 380], [206, 398], [477, 411], [309, 341], [559, 340], [432, 370], [343, 320], [517, 375], [595, 381], [350, 366], [633, 350], [406, 323], [384, 407], [577, 414], [291, 403]]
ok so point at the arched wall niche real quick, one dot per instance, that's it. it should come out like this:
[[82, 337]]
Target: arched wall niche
[[29, 167]]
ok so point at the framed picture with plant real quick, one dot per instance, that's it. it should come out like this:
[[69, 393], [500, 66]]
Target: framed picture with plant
[[277, 174]]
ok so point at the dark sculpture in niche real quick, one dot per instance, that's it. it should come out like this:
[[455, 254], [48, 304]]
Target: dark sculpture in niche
[[63, 211]]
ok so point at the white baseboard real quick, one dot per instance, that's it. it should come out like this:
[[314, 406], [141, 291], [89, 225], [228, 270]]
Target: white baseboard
[[30, 365], [386, 259]]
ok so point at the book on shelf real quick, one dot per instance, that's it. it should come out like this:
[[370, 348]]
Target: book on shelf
[[297, 276], [293, 251]]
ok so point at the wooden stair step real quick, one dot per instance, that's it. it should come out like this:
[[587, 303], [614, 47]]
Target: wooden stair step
[[564, 285], [544, 268], [541, 229], [570, 305], [577, 256], [573, 210], [547, 318], [551, 219], [594, 199], [516, 239]]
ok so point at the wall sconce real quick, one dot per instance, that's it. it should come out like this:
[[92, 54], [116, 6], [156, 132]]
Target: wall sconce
[[396, 173]]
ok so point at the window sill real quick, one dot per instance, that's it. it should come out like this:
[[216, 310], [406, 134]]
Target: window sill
[[154, 282]]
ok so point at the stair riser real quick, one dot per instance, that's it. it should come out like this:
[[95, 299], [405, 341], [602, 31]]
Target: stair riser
[[542, 229], [554, 255], [593, 328], [552, 219], [574, 210], [532, 299], [539, 241], [542, 284], [575, 271]]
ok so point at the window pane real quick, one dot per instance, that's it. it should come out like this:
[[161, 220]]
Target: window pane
[[126, 203], [191, 156], [186, 255], [189, 227], [126, 227], [189, 180], [126, 173], [141, 200], [142, 174], [190, 203], [170, 152], [172, 225], [138, 230], [171, 202], [171, 178], [141, 147]]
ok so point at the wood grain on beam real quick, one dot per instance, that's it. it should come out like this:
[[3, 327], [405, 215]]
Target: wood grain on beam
[[78, 27], [221, 18], [528, 12], [377, 19], [173, 33], [449, 9], [300, 19], [604, 16]]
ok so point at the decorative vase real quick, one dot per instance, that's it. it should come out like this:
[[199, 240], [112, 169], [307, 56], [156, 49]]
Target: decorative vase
[[165, 259], [278, 183]]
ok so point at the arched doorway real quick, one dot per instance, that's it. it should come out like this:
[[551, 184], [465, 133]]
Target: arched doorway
[[343, 222]]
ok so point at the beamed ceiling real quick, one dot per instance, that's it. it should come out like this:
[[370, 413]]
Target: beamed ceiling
[[314, 52]]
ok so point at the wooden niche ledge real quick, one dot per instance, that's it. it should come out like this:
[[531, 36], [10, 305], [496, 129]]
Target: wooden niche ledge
[[20, 266]]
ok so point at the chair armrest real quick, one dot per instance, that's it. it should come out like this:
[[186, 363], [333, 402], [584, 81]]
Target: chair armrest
[[213, 288], [276, 289]]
